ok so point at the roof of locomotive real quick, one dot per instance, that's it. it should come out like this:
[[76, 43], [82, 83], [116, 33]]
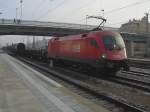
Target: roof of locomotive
[[85, 35]]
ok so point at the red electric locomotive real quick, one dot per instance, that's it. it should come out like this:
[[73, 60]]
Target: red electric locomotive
[[103, 50]]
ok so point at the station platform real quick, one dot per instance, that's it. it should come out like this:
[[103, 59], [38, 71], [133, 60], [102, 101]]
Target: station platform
[[23, 89]]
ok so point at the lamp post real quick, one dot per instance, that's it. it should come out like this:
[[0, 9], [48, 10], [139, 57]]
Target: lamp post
[[86, 21], [16, 13], [21, 1], [147, 23], [103, 12]]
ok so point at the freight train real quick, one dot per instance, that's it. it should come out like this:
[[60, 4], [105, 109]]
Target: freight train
[[17, 49], [101, 50], [37, 50]]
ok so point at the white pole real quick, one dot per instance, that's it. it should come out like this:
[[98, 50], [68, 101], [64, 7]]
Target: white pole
[[21, 1], [103, 16], [16, 13], [86, 21]]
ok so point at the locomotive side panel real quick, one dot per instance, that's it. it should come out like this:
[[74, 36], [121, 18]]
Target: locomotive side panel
[[79, 48]]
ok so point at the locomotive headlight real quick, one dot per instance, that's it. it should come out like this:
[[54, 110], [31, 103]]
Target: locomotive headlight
[[104, 55]]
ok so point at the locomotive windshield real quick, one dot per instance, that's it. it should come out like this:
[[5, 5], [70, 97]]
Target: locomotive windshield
[[113, 42]]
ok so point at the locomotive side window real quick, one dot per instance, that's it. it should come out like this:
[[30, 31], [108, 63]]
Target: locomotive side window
[[94, 43]]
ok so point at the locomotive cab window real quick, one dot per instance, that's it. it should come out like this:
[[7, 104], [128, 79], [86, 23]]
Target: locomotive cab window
[[113, 42], [93, 43]]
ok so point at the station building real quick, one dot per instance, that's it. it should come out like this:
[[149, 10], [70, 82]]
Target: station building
[[141, 31]]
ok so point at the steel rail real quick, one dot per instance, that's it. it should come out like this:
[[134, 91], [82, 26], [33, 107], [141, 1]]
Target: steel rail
[[134, 83], [113, 99], [137, 73]]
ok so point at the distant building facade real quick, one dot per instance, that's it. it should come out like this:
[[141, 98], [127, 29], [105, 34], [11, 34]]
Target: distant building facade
[[136, 26], [135, 47]]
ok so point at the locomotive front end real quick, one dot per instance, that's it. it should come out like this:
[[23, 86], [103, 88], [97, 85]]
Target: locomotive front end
[[114, 54]]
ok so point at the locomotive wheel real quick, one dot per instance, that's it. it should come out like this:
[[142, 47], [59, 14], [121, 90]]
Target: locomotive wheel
[[126, 68]]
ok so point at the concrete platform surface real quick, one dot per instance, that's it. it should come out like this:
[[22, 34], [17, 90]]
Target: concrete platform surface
[[23, 89]]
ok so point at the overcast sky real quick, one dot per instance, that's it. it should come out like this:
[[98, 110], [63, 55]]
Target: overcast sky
[[74, 11]]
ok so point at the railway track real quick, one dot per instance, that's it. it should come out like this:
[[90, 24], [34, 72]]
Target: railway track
[[140, 63], [135, 83], [127, 78], [137, 73], [128, 81], [119, 102]]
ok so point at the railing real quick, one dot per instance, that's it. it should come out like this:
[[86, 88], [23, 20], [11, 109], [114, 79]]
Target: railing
[[44, 24], [48, 24]]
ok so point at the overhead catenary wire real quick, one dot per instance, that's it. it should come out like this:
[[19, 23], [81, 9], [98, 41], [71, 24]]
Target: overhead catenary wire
[[78, 9], [127, 6], [120, 8], [124, 7], [53, 9], [116, 23], [107, 12]]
